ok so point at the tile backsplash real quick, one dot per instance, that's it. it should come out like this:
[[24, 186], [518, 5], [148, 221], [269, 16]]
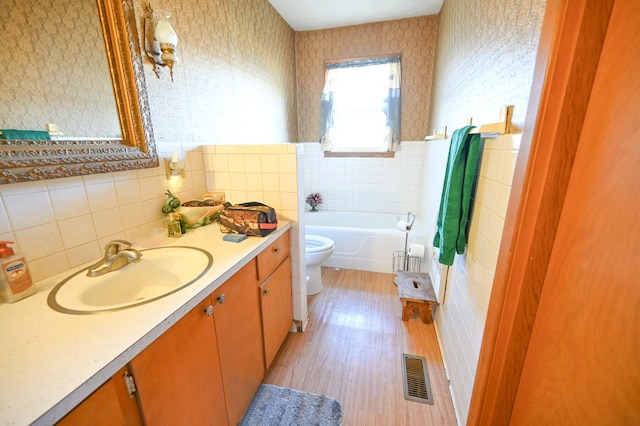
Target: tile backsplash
[[266, 173], [62, 223]]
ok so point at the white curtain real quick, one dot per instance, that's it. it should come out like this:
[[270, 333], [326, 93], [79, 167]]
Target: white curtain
[[390, 102]]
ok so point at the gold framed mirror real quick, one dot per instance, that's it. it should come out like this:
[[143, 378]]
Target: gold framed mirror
[[30, 160]]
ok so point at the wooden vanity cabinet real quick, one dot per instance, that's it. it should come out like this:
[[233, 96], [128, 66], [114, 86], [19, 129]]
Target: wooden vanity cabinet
[[237, 320], [109, 405], [276, 304], [206, 368], [178, 376]]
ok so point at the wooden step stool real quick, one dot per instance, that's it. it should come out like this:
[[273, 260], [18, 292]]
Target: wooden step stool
[[416, 294]]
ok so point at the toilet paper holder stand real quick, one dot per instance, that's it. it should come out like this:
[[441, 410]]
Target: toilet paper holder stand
[[402, 261]]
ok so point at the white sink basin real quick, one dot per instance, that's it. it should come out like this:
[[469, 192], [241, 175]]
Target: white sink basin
[[160, 272]]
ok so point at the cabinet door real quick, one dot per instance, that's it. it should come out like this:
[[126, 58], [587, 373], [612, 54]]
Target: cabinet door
[[237, 315], [178, 376], [277, 309], [109, 405]]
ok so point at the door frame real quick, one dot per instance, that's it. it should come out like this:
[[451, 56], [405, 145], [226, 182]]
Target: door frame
[[571, 40]]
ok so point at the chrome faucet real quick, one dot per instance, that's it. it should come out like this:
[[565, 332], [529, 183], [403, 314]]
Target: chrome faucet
[[117, 254]]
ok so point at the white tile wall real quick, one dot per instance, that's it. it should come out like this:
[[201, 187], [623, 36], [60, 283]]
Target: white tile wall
[[460, 319], [390, 185], [62, 223], [265, 173]]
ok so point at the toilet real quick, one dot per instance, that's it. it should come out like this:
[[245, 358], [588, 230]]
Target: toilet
[[317, 249]]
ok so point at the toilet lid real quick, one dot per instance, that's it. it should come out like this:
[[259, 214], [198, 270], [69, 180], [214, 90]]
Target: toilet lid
[[316, 243]]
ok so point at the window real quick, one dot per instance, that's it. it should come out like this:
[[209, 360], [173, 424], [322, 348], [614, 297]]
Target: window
[[360, 106]]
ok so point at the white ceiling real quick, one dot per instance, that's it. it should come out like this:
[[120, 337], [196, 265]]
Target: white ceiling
[[303, 15]]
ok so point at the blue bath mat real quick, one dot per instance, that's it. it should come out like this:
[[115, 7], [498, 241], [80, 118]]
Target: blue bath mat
[[273, 405]]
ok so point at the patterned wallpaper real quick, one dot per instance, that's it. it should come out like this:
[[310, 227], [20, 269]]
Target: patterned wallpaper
[[414, 38], [235, 82], [54, 68], [484, 60]]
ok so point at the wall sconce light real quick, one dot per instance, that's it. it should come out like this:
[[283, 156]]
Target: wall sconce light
[[174, 166], [160, 41]]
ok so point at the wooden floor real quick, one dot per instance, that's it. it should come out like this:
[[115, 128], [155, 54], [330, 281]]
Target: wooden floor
[[351, 351]]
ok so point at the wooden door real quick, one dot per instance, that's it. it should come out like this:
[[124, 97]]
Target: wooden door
[[237, 314], [582, 364], [178, 376], [109, 405], [277, 310]]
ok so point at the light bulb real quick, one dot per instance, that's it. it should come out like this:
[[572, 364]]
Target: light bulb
[[165, 32]]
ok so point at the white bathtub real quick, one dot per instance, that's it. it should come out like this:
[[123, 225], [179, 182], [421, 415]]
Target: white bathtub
[[364, 241]]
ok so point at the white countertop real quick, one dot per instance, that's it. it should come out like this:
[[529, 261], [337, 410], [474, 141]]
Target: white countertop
[[50, 361]]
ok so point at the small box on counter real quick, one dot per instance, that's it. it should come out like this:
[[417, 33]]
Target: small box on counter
[[234, 238]]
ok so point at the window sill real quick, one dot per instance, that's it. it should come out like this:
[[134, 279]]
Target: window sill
[[386, 154]]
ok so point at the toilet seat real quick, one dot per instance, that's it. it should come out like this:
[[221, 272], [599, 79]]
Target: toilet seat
[[316, 243]]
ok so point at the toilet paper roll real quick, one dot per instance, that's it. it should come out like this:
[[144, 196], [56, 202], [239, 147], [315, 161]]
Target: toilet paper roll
[[415, 250], [403, 226]]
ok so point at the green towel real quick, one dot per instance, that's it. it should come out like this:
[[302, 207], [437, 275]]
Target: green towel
[[30, 135], [459, 178]]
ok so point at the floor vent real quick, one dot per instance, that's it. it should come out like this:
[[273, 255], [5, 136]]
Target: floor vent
[[415, 379]]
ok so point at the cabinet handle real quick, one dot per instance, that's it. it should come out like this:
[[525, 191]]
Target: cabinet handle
[[267, 291], [277, 249], [221, 298], [208, 310]]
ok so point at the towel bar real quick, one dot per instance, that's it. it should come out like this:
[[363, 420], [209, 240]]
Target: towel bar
[[499, 128]]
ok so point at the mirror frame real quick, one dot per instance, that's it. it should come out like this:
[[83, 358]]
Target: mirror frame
[[29, 160]]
